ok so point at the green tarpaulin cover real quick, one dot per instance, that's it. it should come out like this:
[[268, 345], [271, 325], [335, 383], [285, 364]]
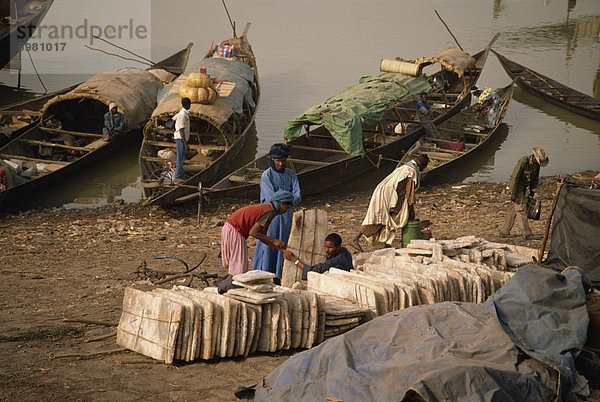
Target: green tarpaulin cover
[[363, 104]]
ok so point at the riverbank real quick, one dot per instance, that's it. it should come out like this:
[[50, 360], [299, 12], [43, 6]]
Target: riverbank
[[59, 263]]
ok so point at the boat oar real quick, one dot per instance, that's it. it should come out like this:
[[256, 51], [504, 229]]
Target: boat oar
[[449, 31]]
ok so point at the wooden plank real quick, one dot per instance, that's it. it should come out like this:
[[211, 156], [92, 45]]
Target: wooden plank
[[307, 162], [197, 147], [20, 113], [26, 158], [54, 145], [443, 150], [317, 149], [149, 324], [463, 132], [75, 133]]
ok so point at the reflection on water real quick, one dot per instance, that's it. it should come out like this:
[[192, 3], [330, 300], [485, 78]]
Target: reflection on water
[[299, 68]]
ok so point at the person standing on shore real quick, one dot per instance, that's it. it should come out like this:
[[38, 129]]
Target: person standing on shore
[[426, 117], [252, 220], [114, 122], [182, 135], [276, 178], [525, 175], [392, 203]]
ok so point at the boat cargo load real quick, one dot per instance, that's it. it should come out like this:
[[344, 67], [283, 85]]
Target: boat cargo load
[[227, 91], [362, 104], [133, 90]]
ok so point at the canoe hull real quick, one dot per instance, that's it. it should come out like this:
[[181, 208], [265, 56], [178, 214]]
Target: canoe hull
[[563, 92]]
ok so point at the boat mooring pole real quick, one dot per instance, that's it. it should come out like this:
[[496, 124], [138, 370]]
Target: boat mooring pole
[[199, 202], [449, 31]]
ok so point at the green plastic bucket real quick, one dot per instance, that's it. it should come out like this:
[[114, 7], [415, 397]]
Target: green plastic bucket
[[412, 230]]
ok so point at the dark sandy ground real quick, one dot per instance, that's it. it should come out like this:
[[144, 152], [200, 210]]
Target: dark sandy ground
[[58, 263]]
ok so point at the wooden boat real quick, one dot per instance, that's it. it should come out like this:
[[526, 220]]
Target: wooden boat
[[551, 90], [18, 17], [217, 133], [19, 117], [45, 154], [464, 135], [320, 162]]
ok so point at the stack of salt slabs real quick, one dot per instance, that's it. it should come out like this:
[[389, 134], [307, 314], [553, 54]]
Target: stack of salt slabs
[[467, 269], [341, 316], [186, 324]]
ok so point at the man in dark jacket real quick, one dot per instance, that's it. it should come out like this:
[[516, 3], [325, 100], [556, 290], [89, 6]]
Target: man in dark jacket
[[525, 175], [337, 257]]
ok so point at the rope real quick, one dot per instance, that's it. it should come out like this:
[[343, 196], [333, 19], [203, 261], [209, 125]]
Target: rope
[[36, 71], [380, 158]]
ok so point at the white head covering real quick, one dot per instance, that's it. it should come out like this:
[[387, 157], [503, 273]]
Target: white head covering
[[111, 106]]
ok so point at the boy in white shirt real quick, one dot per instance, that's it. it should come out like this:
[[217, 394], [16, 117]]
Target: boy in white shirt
[[182, 135]]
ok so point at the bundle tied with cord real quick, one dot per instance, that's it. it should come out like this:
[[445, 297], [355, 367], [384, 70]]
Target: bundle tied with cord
[[199, 88]]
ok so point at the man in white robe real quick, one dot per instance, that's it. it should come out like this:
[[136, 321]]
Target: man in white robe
[[392, 203]]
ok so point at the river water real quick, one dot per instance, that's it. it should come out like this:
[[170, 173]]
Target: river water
[[310, 50]]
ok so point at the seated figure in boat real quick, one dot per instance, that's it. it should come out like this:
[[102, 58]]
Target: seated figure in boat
[[114, 123], [489, 101], [426, 117], [392, 204], [337, 257], [276, 178]]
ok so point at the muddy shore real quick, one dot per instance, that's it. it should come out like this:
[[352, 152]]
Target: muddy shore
[[58, 263]]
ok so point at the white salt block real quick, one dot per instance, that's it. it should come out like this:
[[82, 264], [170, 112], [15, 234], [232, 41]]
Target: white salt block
[[253, 276], [209, 323], [250, 296], [264, 340], [228, 320], [321, 317], [343, 289], [196, 320], [149, 324], [275, 315], [181, 351], [263, 287], [342, 321], [258, 312]]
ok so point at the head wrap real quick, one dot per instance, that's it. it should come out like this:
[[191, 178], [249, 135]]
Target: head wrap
[[279, 150], [110, 107], [540, 156], [283, 196], [2, 174]]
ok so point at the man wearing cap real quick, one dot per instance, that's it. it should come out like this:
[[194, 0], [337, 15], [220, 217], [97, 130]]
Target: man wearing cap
[[114, 122], [525, 175], [253, 220], [392, 203], [276, 178]]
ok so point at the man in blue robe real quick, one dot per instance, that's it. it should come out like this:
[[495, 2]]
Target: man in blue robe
[[275, 178]]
